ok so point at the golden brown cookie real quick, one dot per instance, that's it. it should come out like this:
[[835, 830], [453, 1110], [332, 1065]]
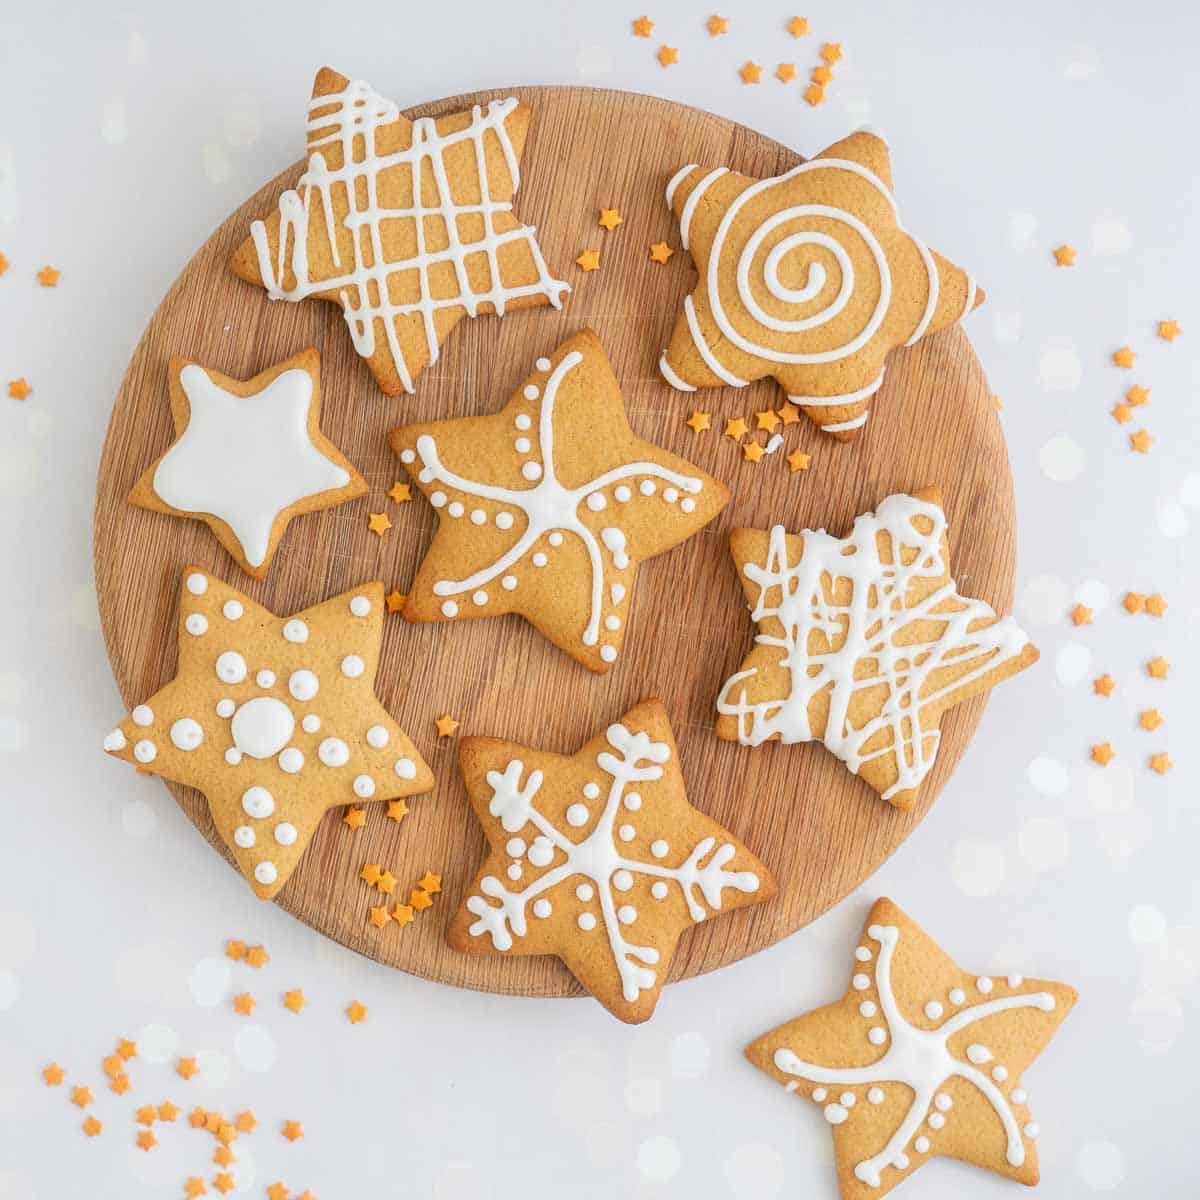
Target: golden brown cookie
[[860, 637], [274, 719], [598, 857], [404, 267], [918, 1059], [546, 507], [808, 277], [248, 456]]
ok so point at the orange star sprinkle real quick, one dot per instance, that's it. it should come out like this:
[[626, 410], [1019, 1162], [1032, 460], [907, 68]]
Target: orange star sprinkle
[[146, 1140], [1158, 667], [767, 420], [643, 27], [292, 1130], [789, 414], [195, 1187], [257, 956], [610, 218], [668, 56], [751, 72], [379, 917], [1081, 614], [814, 94], [798, 26], [1137, 396], [431, 883], [3, 264], [378, 523], [419, 900], [1065, 256], [246, 1120], [277, 1191], [92, 1127], [660, 252], [244, 1003], [226, 1133], [1103, 753], [997, 403], [1161, 763], [306, 1195], [1169, 330], [224, 1182], [356, 1012], [821, 75], [53, 1075], [402, 914], [186, 1068], [400, 493], [717, 25], [394, 600], [1122, 413], [831, 52], [699, 421], [446, 725], [167, 1111], [146, 1115], [1104, 685], [397, 810], [235, 949], [1124, 357], [81, 1097], [224, 1156], [798, 460], [735, 427], [1140, 441], [589, 260], [785, 72], [1150, 719], [1156, 605], [48, 277], [354, 818], [113, 1065], [197, 1117], [213, 1121], [18, 389], [120, 1084], [752, 451], [370, 873], [1134, 602], [386, 882], [294, 1000]]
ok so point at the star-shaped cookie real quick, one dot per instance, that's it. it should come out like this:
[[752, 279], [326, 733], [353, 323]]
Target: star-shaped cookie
[[863, 642], [598, 857], [274, 719], [248, 456], [404, 267], [808, 277], [546, 507], [918, 1059]]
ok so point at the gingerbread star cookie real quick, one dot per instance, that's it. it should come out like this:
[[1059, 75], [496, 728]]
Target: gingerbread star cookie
[[808, 277], [248, 456], [598, 858], [864, 642], [274, 719], [546, 507], [918, 1059], [407, 225]]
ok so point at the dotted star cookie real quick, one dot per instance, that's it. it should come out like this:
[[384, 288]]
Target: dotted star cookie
[[248, 456], [808, 277], [546, 507], [918, 1059], [404, 268], [598, 857], [274, 719], [864, 642]]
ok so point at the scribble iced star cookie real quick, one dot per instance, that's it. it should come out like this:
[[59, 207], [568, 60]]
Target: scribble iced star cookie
[[918, 1059], [248, 456], [404, 265], [808, 277], [274, 719], [863, 642], [546, 507], [598, 857]]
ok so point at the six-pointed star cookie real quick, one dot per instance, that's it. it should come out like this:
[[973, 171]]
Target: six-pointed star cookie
[[918, 1059], [546, 507], [405, 261], [598, 857], [248, 456], [863, 642], [274, 719], [807, 277]]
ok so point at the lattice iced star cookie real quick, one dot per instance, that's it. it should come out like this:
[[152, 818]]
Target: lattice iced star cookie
[[808, 277], [274, 719], [248, 456], [598, 858], [546, 508], [918, 1059], [864, 642], [404, 265]]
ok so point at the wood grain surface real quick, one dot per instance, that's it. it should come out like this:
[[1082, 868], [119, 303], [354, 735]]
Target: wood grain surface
[[821, 830]]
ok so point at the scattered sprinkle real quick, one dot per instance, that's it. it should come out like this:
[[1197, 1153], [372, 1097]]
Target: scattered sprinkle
[[751, 72], [1161, 763], [798, 460], [1081, 615], [831, 52], [1105, 685], [91, 1126], [356, 1012], [609, 218], [246, 1121], [167, 1111], [370, 873], [420, 899], [379, 917], [81, 1097], [1169, 330], [735, 427], [378, 523], [1065, 255], [402, 914], [257, 956], [185, 1068], [18, 389], [1134, 602], [292, 1130], [53, 1075], [1158, 667], [767, 420], [1103, 753], [1150, 719], [120, 1084], [48, 277], [146, 1139], [386, 882], [224, 1182], [785, 72], [821, 75], [399, 492], [589, 260], [1140, 441], [146, 1115], [798, 26], [643, 27], [354, 817], [699, 421], [814, 94], [394, 600], [430, 883], [717, 25], [1124, 357], [446, 725], [244, 1003], [668, 56], [752, 451], [1156, 605], [1122, 413], [1137, 396], [789, 414], [660, 252], [235, 950], [397, 810]]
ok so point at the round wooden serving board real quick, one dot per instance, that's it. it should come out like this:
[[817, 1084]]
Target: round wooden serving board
[[820, 829]]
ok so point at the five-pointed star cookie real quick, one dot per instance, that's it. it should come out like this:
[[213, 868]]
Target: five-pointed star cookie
[[808, 277], [598, 857], [274, 719], [248, 456], [546, 507], [863, 642], [404, 267], [918, 1059]]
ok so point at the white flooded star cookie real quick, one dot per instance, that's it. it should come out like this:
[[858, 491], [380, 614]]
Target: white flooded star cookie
[[274, 719], [598, 857], [918, 1059], [248, 456], [546, 507], [863, 642]]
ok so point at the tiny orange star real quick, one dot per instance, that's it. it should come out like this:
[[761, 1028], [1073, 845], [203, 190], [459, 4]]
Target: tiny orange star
[[292, 1130], [244, 1003], [370, 873], [589, 260], [831, 52], [1065, 256], [1140, 441], [821, 75], [394, 600], [378, 523], [235, 949], [53, 1075], [113, 1065], [213, 1121], [1122, 413], [814, 94], [668, 56], [48, 277], [419, 900], [92, 1126], [195, 1186], [1104, 685], [798, 26], [127, 1049], [789, 414], [1134, 602], [610, 218], [1169, 330], [400, 492], [1156, 605], [223, 1156], [1081, 614], [660, 252], [446, 725], [277, 1191], [1150, 719], [3, 264], [717, 25], [294, 1000], [1124, 357], [146, 1115], [167, 1111], [226, 1133], [224, 1182], [785, 72], [379, 917], [1137, 396], [735, 427], [197, 1117], [429, 882], [386, 883], [246, 1120], [752, 451], [356, 1012], [402, 914], [997, 403], [643, 27], [186, 1068], [767, 420], [18, 389], [257, 956], [1161, 763], [120, 1084], [1158, 667], [354, 817], [751, 72], [699, 421], [146, 1139], [397, 810], [81, 1097], [798, 460], [1103, 753]]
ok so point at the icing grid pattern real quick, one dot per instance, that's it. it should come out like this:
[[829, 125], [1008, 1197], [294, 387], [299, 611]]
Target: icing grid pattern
[[607, 872], [921, 1060], [875, 625], [351, 118]]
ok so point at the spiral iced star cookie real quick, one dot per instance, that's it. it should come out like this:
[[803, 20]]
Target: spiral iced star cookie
[[248, 456], [404, 268], [598, 858], [546, 508], [808, 277], [863, 642], [918, 1059], [274, 719]]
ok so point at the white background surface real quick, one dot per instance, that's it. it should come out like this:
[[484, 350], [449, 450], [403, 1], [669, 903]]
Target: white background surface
[[128, 133]]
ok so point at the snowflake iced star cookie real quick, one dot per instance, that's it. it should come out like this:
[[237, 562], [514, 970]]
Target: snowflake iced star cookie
[[918, 1059], [274, 719], [248, 456], [598, 857], [808, 277], [546, 507], [863, 642], [405, 268]]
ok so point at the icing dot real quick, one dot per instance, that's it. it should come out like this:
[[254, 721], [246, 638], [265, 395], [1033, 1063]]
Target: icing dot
[[457, 508], [861, 982], [608, 653], [197, 584], [586, 921], [979, 1054], [944, 1102], [1018, 1095], [1015, 981], [515, 847], [504, 520], [555, 538], [407, 456], [142, 715], [540, 559], [478, 516], [186, 734], [145, 751], [999, 1074], [627, 914], [437, 499], [285, 833], [875, 1095], [231, 668], [449, 608], [933, 1010], [508, 582], [514, 871], [353, 666], [233, 756], [258, 803], [900, 1162], [585, 892], [364, 786], [659, 848], [622, 880], [265, 873], [532, 470], [196, 624], [819, 1094], [591, 790], [522, 445], [626, 833], [406, 768], [921, 1145], [659, 890], [612, 622], [295, 631], [957, 996], [333, 752], [426, 475], [303, 684], [291, 760], [835, 1114], [596, 502], [233, 610], [1032, 1129], [265, 679], [311, 723], [877, 1035], [867, 1008], [687, 504], [377, 737], [480, 598], [647, 487], [261, 727], [847, 1099], [530, 391], [633, 801], [114, 740], [244, 836], [670, 495], [541, 908], [862, 954], [984, 984], [623, 494], [541, 852], [360, 606], [577, 815], [936, 1120]]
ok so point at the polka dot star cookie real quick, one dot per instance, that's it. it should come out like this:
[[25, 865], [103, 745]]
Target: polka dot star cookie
[[598, 858], [546, 507], [274, 719]]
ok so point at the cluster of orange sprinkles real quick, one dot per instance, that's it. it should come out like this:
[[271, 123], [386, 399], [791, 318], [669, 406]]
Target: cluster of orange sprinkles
[[376, 876], [20, 388], [1140, 440], [758, 435]]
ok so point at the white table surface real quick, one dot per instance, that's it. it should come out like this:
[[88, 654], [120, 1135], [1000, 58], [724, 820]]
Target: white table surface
[[128, 133]]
